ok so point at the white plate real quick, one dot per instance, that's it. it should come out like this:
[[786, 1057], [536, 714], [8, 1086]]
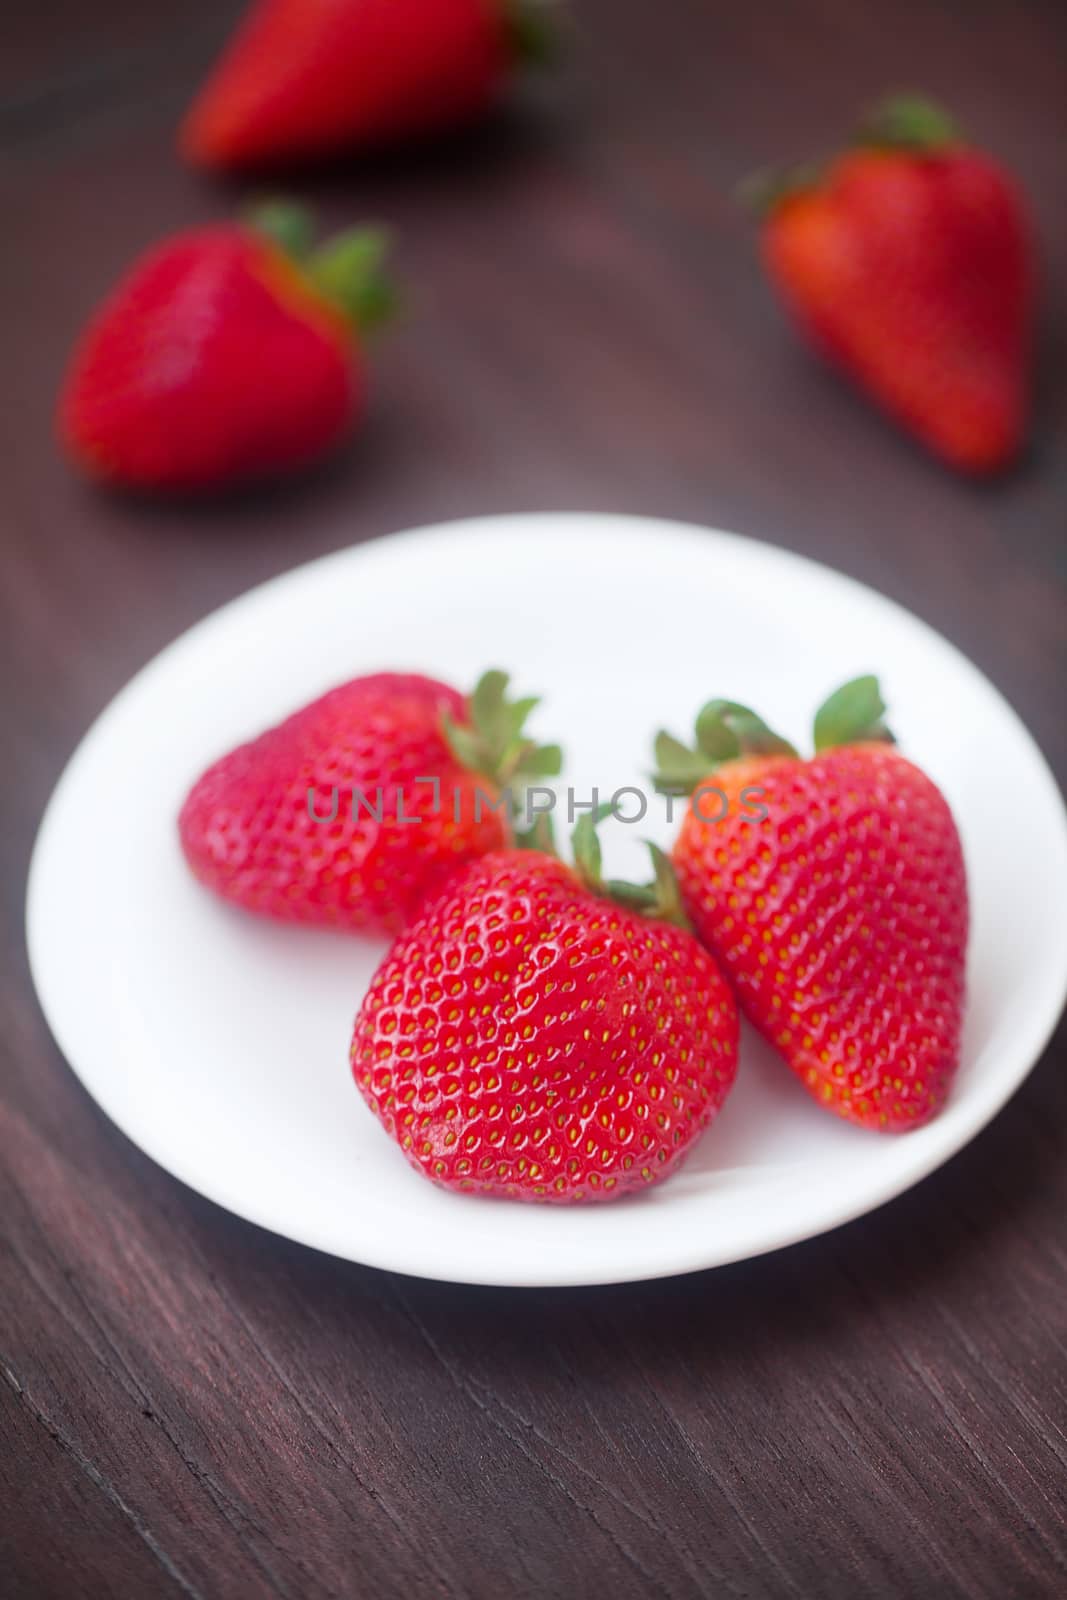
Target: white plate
[[218, 1043]]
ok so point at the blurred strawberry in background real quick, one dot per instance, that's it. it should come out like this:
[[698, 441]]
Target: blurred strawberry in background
[[303, 79], [228, 352], [908, 261]]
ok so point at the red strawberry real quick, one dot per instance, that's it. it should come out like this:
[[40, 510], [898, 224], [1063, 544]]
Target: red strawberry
[[347, 813], [833, 892], [304, 78], [222, 356], [529, 1037], [908, 262]]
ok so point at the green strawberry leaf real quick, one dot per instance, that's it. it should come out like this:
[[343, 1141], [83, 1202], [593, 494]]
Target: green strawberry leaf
[[763, 191], [726, 729], [908, 122], [541, 835], [668, 896], [852, 715], [463, 742], [586, 847], [660, 899], [491, 743], [715, 738], [539, 761], [532, 31], [636, 896], [487, 701], [678, 768], [515, 712], [288, 225], [349, 271]]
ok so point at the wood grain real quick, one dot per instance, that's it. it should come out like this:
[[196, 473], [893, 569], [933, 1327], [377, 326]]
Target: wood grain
[[195, 1408]]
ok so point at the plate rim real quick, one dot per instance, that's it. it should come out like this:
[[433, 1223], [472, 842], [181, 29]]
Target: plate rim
[[1041, 1024]]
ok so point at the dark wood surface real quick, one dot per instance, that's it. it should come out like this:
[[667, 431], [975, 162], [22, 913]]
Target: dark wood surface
[[193, 1407]]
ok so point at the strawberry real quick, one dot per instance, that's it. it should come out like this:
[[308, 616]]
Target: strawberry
[[833, 893], [908, 262], [222, 356], [529, 1036], [347, 813], [302, 79]]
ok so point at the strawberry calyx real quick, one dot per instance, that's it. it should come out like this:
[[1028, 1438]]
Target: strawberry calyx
[[348, 270], [492, 742], [765, 190], [285, 223], [854, 714], [661, 899], [539, 836], [724, 731], [532, 35], [908, 122], [903, 122]]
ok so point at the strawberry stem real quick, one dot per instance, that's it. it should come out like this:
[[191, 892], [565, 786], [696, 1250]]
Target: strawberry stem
[[852, 715]]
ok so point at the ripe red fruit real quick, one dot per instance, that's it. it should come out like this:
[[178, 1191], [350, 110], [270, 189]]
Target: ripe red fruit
[[528, 1037], [908, 262], [222, 357], [351, 810], [302, 79], [841, 917]]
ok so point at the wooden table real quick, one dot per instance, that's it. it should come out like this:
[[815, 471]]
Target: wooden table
[[197, 1408]]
